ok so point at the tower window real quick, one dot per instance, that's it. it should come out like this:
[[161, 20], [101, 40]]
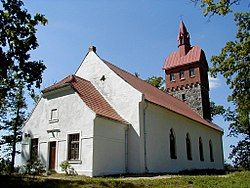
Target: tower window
[[172, 77], [183, 96], [181, 74], [191, 72]]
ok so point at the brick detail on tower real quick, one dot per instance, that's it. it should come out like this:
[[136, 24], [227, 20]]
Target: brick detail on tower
[[187, 74]]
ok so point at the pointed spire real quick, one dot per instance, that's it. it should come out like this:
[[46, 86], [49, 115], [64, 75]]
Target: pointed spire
[[183, 39], [182, 28]]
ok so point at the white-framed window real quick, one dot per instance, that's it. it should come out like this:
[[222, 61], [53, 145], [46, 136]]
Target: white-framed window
[[54, 114], [74, 147]]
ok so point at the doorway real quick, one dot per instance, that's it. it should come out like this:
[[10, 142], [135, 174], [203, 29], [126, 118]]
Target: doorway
[[52, 155]]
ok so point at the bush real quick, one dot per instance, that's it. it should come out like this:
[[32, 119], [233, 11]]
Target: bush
[[5, 167], [66, 167], [34, 167]]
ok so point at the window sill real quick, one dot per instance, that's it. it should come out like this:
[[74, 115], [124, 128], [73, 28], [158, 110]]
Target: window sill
[[53, 130], [75, 161], [53, 120]]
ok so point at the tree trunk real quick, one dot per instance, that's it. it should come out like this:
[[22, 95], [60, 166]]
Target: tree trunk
[[13, 153]]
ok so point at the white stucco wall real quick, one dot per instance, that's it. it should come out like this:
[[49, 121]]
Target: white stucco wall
[[109, 147], [159, 121], [74, 117], [123, 98]]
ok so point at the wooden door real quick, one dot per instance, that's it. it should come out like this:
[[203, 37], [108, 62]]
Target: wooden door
[[52, 155]]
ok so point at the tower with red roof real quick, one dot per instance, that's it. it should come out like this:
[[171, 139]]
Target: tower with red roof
[[187, 74]]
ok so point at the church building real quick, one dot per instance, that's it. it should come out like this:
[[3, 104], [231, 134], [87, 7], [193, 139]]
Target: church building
[[104, 120]]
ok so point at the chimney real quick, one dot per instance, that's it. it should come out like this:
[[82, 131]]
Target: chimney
[[92, 49]]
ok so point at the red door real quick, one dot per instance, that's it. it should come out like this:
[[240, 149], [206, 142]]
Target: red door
[[52, 155]]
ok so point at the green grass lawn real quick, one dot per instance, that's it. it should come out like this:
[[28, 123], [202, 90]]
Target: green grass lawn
[[236, 179]]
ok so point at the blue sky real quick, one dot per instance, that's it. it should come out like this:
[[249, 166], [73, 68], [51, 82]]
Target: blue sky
[[134, 35]]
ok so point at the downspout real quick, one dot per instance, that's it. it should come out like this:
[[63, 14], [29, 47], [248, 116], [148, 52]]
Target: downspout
[[145, 134], [126, 149], [222, 153]]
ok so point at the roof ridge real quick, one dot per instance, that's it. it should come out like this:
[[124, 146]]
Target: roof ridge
[[147, 83], [123, 70]]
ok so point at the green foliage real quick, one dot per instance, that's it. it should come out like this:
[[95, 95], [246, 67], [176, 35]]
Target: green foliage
[[67, 168], [34, 167], [233, 63], [5, 166], [17, 39], [216, 109], [219, 7], [241, 153], [12, 124], [18, 73], [156, 81]]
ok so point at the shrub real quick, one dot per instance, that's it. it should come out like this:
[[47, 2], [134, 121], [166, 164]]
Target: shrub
[[5, 166], [66, 167], [34, 167]]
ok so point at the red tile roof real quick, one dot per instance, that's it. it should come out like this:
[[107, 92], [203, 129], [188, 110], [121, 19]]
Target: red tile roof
[[89, 94], [158, 97], [176, 60]]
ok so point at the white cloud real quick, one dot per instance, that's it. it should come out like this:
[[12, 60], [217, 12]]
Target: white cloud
[[213, 82]]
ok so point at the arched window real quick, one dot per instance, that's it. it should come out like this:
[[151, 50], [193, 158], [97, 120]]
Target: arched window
[[211, 151], [201, 149], [188, 147], [172, 145]]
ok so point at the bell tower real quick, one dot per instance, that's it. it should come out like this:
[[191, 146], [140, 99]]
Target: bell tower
[[186, 73]]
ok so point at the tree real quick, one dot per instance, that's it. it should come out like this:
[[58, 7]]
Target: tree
[[18, 73], [216, 109], [233, 63], [156, 81], [17, 39], [220, 7], [12, 123]]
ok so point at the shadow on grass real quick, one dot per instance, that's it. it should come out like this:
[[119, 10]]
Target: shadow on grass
[[192, 172], [43, 182]]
